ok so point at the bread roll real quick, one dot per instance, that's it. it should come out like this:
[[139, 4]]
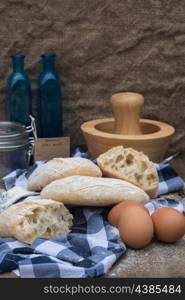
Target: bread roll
[[34, 218], [132, 166], [60, 168], [92, 191]]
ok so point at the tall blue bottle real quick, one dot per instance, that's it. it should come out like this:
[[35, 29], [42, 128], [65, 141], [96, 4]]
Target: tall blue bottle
[[50, 99], [19, 103]]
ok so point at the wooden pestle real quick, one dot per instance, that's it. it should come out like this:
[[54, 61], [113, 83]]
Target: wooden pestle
[[126, 110]]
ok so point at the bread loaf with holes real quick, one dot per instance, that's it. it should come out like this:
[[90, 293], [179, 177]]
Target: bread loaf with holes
[[132, 166], [35, 218], [93, 191], [61, 168]]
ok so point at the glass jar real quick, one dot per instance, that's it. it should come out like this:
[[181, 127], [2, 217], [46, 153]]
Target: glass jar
[[14, 147]]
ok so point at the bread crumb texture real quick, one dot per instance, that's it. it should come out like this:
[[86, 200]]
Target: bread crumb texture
[[130, 165], [35, 218]]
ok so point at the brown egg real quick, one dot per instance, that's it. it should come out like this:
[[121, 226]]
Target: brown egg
[[114, 213], [169, 224], [135, 227]]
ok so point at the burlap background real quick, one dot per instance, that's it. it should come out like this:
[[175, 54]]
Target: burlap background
[[102, 47]]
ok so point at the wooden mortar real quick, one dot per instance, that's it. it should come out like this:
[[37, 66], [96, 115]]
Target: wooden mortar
[[127, 129]]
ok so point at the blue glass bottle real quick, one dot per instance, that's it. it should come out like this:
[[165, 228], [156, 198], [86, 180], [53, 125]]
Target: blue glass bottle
[[50, 99], [19, 103]]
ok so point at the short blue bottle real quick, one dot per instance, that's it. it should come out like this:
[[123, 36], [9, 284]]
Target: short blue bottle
[[50, 99], [19, 98]]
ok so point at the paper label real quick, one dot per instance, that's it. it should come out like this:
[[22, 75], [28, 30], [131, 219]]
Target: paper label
[[48, 148]]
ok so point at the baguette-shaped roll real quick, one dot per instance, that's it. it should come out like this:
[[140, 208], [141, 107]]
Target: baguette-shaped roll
[[34, 218], [60, 168], [93, 191], [132, 166]]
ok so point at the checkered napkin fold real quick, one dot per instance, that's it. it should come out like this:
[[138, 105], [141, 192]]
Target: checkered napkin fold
[[93, 245]]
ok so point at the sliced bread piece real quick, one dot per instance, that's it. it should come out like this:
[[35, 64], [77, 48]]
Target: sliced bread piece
[[35, 218], [132, 166]]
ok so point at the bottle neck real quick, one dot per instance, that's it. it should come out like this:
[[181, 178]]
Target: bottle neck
[[48, 62], [18, 63]]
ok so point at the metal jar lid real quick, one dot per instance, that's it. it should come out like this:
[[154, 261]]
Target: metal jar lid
[[13, 135]]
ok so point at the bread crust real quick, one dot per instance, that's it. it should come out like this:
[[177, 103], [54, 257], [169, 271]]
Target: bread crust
[[93, 191], [60, 168], [16, 221], [150, 169]]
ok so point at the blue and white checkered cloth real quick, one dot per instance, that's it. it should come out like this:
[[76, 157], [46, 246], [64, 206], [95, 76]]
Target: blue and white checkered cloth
[[92, 246]]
